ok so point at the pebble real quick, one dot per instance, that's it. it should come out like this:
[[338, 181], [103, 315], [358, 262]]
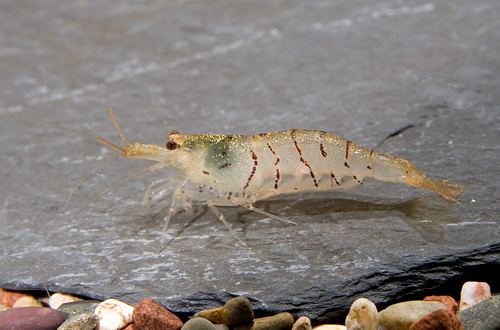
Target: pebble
[[198, 323], [57, 299], [221, 327], [148, 314], [363, 315], [484, 315], [29, 318], [78, 307], [235, 312], [472, 293], [8, 297], [281, 321], [450, 302], [302, 323], [441, 319], [27, 301], [402, 315], [113, 314], [330, 327], [84, 321]]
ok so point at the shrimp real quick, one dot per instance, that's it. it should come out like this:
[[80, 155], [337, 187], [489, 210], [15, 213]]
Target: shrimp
[[238, 170]]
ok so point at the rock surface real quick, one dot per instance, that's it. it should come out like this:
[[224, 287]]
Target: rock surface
[[417, 79]]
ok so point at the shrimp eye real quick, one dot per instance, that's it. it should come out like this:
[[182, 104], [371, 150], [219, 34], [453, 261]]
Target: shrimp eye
[[171, 145]]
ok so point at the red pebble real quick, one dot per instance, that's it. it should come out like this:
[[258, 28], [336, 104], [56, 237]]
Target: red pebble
[[150, 315], [29, 318], [447, 300], [8, 297], [440, 319]]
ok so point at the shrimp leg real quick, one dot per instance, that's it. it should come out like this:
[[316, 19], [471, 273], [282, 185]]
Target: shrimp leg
[[211, 204], [241, 201], [148, 195]]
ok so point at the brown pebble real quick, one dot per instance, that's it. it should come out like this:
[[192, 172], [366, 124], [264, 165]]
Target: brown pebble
[[440, 319], [150, 315], [450, 302], [9, 297], [281, 321], [214, 315], [235, 312], [29, 318]]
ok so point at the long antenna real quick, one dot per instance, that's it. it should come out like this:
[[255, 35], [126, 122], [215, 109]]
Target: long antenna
[[116, 125]]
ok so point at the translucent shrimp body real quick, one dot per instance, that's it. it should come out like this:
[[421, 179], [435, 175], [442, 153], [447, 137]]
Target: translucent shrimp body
[[229, 170]]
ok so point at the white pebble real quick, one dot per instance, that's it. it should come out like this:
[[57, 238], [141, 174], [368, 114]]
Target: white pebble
[[57, 299], [472, 293], [402, 315], [113, 315], [27, 301], [330, 327], [302, 323], [363, 315]]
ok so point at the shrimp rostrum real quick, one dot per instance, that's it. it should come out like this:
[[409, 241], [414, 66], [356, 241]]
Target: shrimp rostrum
[[238, 170]]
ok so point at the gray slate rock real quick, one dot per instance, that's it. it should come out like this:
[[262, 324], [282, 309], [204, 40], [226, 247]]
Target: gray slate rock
[[485, 315], [416, 79]]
